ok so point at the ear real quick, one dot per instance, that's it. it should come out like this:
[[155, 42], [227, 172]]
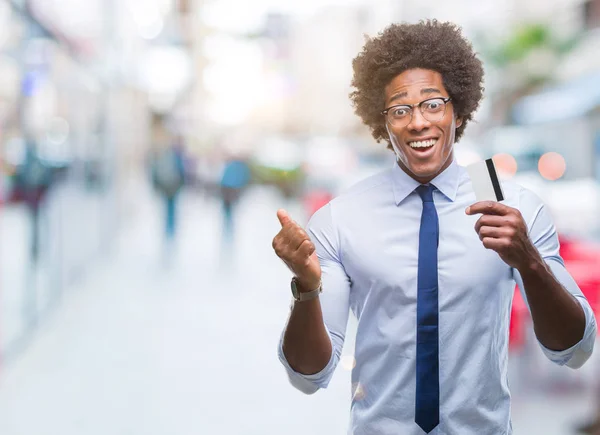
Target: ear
[[459, 122]]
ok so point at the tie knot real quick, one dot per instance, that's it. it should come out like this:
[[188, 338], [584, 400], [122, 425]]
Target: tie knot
[[425, 192]]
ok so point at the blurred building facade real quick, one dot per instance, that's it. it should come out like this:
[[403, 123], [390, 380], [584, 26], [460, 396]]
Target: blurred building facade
[[80, 85]]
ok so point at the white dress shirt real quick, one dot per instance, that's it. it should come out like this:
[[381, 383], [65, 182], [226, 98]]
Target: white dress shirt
[[367, 243]]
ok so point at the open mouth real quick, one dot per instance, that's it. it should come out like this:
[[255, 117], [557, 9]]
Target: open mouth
[[422, 145]]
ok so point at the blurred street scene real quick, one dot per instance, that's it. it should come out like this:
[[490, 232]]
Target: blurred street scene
[[145, 147]]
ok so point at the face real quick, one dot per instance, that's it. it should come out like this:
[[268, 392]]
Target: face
[[423, 148]]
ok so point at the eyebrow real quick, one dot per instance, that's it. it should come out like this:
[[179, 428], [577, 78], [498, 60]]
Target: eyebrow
[[423, 92]]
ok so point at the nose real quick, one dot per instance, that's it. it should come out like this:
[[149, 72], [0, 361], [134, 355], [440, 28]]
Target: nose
[[418, 121]]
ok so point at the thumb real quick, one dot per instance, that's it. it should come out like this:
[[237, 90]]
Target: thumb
[[284, 217]]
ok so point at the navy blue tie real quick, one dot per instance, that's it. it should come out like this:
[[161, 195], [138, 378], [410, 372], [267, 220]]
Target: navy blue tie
[[427, 403]]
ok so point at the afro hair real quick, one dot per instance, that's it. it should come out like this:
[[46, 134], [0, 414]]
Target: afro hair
[[429, 45]]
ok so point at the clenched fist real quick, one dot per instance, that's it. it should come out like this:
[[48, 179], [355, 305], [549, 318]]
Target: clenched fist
[[294, 247]]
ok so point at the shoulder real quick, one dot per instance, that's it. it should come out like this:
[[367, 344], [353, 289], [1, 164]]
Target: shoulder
[[529, 203], [522, 196]]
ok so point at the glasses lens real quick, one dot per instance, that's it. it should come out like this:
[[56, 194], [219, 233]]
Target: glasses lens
[[399, 116], [433, 110]]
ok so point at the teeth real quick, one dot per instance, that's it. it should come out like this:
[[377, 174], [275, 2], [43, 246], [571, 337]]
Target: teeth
[[422, 143]]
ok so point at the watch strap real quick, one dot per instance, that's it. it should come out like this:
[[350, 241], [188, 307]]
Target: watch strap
[[307, 296]]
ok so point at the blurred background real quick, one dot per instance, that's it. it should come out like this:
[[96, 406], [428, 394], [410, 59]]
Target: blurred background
[[145, 146]]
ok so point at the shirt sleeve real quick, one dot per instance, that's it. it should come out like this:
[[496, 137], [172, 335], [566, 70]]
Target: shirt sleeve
[[544, 236], [334, 300]]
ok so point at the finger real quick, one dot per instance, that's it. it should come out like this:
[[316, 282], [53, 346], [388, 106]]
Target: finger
[[290, 230], [288, 240], [297, 238], [496, 244], [495, 232], [293, 235], [306, 249], [284, 218], [492, 221], [489, 207]]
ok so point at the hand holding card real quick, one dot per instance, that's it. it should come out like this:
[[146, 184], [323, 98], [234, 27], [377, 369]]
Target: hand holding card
[[500, 228]]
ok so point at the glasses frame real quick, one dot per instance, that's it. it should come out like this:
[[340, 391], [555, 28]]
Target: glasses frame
[[419, 105]]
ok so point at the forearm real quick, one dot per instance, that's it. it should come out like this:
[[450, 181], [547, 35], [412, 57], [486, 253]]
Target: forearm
[[306, 344], [558, 318]]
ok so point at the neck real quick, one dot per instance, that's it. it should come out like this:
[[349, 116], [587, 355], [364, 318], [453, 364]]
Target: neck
[[425, 179]]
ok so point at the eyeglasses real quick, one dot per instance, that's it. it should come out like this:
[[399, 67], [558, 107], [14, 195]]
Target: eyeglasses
[[432, 109]]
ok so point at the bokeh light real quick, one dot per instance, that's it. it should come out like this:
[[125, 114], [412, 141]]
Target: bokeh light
[[506, 165], [348, 362], [359, 391], [552, 166]]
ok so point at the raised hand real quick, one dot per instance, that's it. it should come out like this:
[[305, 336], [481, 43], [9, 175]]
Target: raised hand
[[295, 248], [502, 229]]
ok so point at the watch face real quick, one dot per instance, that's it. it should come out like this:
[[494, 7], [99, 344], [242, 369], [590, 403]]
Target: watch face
[[295, 292]]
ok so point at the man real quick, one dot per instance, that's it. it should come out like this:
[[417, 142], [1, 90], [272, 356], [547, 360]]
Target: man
[[428, 272]]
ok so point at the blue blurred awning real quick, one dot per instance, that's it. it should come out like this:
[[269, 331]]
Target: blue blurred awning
[[571, 100]]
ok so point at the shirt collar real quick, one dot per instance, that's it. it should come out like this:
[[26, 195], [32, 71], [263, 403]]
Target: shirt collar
[[446, 182]]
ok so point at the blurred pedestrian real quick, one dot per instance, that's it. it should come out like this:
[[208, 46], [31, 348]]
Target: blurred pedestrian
[[32, 180], [428, 272], [234, 180], [168, 176]]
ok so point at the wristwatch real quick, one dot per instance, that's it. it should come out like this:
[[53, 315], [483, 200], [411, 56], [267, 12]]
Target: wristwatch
[[304, 296]]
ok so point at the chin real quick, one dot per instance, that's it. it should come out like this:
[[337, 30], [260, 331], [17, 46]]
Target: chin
[[425, 170]]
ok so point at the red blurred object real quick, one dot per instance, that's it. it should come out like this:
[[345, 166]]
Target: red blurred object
[[518, 316], [582, 260], [315, 199]]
